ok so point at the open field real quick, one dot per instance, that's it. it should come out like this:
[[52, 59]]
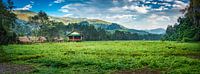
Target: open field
[[100, 57]]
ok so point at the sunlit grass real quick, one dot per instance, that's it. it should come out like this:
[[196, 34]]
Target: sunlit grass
[[107, 56]]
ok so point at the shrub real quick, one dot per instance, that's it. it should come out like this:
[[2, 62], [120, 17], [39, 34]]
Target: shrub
[[3, 55], [185, 39]]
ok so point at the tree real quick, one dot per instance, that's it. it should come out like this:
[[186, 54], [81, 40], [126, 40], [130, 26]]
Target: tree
[[10, 5], [40, 23], [7, 22], [7, 35], [188, 27]]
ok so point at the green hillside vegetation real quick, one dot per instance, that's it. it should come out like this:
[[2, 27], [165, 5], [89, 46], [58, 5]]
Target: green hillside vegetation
[[25, 14], [100, 57], [7, 21], [188, 27], [41, 25]]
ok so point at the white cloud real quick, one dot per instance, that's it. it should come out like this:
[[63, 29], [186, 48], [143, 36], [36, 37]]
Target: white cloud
[[64, 10], [147, 2], [140, 9], [26, 7], [152, 21], [68, 15], [179, 5], [59, 1], [165, 4], [115, 9], [130, 0], [161, 8], [50, 4], [147, 17], [154, 2], [72, 7], [120, 17], [168, 0], [157, 18], [31, 2], [56, 2]]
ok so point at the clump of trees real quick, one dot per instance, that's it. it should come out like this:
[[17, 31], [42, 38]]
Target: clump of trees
[[7, 23], [92, 33], [45, 27], [188, 27]]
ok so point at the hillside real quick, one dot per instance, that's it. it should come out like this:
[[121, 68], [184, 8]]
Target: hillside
[[25, 14], [156, 31]]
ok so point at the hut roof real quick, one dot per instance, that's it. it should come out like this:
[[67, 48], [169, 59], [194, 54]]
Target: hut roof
[[74, 34]]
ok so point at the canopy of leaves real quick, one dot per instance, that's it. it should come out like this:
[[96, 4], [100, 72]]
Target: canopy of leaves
[[188, 27]]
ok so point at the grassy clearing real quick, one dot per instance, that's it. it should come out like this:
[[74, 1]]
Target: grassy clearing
[[107, 56]]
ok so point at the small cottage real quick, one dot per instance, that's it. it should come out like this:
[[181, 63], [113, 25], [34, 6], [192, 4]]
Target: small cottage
[[74, 36]]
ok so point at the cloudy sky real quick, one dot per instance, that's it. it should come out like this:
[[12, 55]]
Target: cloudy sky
[[137, 14]]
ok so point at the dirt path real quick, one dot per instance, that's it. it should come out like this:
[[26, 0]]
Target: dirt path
[[8, 68], [139, 71]]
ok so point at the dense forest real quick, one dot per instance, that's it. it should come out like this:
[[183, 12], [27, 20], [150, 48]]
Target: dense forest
[[188, 27]]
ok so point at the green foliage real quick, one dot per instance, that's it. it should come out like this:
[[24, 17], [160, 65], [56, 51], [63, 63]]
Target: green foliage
[[45, 27], [188, 28], [7, 21], [3, 55], [91, 33], [107, 56], [185, 39]]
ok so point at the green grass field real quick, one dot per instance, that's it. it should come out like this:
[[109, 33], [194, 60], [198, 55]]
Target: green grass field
[[100, 57]]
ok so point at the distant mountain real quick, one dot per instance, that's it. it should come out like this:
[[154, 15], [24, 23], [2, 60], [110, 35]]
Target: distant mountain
[[156, 31], [138, 31], [25, 14], [114, 26]]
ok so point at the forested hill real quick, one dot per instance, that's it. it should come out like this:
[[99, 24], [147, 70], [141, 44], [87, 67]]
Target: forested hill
[[24, 15], [188, 27]]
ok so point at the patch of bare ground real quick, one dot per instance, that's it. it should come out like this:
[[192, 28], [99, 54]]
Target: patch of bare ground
[[194, 56], [138, 71], [8, 68]]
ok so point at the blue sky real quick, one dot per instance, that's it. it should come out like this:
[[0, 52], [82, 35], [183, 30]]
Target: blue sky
[[137, 14]]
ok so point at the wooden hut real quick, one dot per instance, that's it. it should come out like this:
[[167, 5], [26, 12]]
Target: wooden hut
[[74, 36]]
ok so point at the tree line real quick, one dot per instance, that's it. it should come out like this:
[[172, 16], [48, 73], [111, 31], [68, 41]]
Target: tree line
[[188, 27], [90, 32]]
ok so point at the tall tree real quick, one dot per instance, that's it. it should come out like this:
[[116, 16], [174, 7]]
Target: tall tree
[[7, 21], [10, 5], [188, 27], [40, 21]]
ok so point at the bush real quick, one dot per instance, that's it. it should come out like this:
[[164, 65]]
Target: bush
[[185, 39], [3, 55]]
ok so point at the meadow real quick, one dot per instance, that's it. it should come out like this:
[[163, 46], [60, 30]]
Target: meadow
[[107, 57]]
